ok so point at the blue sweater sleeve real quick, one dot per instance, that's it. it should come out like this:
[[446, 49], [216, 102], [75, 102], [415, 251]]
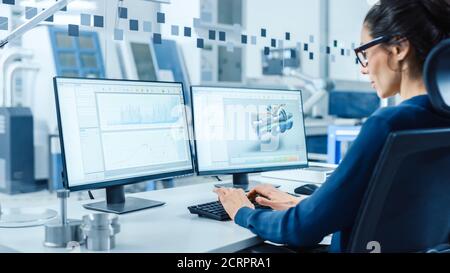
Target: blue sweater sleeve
[[334, 206]]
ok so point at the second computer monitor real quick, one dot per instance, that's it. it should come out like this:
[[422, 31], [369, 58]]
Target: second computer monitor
[[240, 131]]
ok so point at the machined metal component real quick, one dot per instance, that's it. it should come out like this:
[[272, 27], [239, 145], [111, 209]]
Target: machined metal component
[[99, 230], [57, 235], [62, 231]]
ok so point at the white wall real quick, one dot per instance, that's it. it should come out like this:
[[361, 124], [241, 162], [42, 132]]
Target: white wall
[[302, 19], [299, 17], [346, 19], [137, 9], [182, 13], [296, 16]]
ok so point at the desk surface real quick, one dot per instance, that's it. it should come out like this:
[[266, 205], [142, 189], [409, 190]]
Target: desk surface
[[167, 229]]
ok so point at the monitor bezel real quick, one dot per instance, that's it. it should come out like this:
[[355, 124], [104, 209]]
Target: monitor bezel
[[244, 170], [118, 182]]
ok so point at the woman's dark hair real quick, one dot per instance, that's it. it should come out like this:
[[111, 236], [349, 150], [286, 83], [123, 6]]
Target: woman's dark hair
[[424, 23]]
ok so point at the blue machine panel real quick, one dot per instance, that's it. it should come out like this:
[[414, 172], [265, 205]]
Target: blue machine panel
[[77, 56], [169, 58], [17, 151], [351, 104], [340, 139]]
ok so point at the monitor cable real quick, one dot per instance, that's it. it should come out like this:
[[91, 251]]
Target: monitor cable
[[90, 195]]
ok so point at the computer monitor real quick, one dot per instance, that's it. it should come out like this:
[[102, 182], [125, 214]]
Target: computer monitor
[[240, 131], [117, 132]]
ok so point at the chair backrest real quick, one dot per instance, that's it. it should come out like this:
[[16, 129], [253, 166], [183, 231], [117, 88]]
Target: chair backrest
[[437, 77], [407, 205]]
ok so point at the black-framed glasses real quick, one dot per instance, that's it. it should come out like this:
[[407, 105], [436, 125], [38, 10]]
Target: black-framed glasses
[[361, 50]]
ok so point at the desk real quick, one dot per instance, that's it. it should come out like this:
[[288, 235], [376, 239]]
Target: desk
[[167, 229]]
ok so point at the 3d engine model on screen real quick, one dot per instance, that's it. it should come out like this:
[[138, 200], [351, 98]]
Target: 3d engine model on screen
[[271, 124]]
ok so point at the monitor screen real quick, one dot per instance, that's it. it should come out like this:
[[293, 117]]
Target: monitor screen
[[114, 131], [248, 130]]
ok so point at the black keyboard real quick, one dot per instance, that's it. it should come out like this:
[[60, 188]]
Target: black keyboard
[[215, 210]]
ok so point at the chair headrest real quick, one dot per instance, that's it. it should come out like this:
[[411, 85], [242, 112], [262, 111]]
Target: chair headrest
[[437, 77]]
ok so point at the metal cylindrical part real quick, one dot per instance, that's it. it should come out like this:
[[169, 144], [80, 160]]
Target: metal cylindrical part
[[57, 235], [63, 195], [100, 230], [63, 211], [60, 232], [100, 243]]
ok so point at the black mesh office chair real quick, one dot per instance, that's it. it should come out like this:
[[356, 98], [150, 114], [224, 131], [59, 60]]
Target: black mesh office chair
[[407, 205]]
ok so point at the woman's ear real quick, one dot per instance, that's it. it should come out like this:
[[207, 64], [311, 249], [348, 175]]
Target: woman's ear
[[401, 50]]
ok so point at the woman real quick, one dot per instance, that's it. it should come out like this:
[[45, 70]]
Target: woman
[[397, 36]]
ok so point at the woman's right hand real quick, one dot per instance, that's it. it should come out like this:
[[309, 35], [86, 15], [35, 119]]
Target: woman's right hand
[[268, 195]]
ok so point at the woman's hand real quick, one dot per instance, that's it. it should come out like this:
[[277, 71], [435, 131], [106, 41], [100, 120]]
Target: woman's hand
[[269, 196], [232, 200]]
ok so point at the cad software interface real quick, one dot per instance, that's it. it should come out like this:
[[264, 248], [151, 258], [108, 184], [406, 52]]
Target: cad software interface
[[115, 130], [248, 128]]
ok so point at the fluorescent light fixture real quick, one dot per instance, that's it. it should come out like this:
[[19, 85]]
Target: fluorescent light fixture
[[57, 6]]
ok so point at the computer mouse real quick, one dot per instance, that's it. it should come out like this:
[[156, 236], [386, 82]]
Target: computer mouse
[[307, 189]]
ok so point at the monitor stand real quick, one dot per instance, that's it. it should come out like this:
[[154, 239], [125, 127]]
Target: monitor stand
[[241, 181], [118, 204]]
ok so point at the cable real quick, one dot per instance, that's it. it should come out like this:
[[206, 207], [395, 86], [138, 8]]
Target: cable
[[90, 195], [218, 178]]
